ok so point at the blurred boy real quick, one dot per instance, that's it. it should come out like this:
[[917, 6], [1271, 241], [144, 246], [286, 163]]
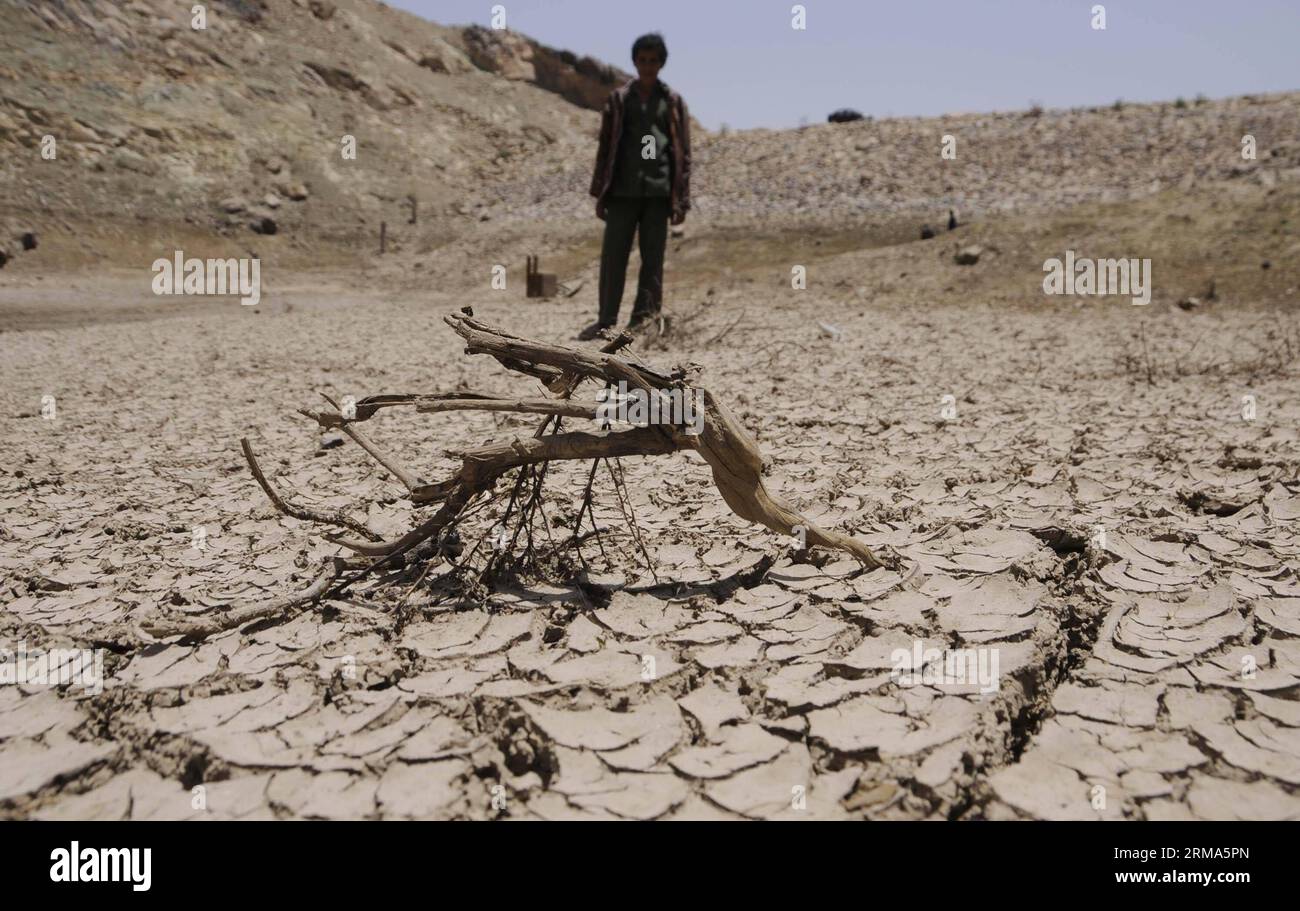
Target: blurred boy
[[641, 183]]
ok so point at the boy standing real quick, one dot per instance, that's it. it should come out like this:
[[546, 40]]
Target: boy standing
[[641, 182]]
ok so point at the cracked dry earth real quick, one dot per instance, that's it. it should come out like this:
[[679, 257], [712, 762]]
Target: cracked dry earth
[[1128, 548]]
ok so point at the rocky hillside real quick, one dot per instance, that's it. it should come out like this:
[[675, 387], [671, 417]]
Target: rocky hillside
[[238, 127], [1023, 161]]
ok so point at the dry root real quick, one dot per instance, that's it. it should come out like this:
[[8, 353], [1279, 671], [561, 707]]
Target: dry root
[[730, 451]]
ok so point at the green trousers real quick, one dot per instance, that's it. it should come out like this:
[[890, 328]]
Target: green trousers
[[647, 217]]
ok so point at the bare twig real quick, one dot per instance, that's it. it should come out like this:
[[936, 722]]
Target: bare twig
[[299, 512], [728, 449], [164, 628]]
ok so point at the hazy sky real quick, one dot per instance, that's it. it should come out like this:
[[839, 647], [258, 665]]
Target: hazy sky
[[739, 62]]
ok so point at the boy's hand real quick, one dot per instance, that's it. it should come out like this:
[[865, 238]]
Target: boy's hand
[[600, 209]]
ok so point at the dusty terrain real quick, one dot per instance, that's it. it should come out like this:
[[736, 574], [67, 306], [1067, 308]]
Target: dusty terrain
[[1095, 508]]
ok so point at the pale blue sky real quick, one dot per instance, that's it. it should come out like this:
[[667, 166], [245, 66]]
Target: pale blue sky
[[739, 62]]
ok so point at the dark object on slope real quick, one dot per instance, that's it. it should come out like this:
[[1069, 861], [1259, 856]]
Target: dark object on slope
[[538, 283], [926, 232], [843, 115], [952, 220], [248, 10], [29, 241]]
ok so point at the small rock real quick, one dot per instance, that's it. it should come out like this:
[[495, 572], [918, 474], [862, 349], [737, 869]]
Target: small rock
[[1266, 265], [271, 201], [297, 191], [1189, 303], [926, 232], [870, 795], [968, 256], [331, 441], [28, 240], [263, 224], [234, 204], [130, 161]]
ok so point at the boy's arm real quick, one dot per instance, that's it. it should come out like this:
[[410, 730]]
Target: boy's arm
[[602, 152], [685, 201]]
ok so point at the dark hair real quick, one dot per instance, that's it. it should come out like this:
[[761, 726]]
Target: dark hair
[[651, 42]]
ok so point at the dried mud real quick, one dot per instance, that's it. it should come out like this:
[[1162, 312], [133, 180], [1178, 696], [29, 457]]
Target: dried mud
[[1099, 514]]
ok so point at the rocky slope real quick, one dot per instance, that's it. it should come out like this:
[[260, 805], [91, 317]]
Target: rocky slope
[[238, 127]]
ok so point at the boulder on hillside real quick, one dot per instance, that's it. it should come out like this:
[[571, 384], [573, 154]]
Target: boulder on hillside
[[128, 160], [344, 81], [500, 51], [582, 81], [262, 223], [248, 10], [441, 57], [336, 77], [9, 127], [294, 189]]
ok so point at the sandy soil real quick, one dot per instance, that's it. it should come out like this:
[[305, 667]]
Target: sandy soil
[[1095, 511]]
